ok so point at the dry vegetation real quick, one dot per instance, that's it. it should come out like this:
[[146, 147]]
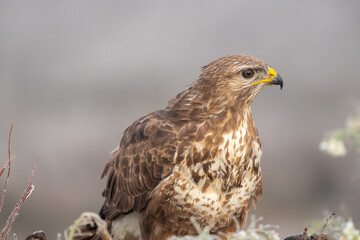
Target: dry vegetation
[[15, 212], [331, 228]]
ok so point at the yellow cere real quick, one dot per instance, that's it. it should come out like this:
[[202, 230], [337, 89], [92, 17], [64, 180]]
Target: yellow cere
[[272, 74]]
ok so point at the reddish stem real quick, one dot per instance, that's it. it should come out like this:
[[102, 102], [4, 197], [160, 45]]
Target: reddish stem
[[8, 173]]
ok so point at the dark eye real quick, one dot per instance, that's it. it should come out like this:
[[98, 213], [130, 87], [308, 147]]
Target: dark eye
[[248, 73]]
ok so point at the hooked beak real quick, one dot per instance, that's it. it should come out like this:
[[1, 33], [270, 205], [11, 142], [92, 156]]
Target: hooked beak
[[274, 79], [277, 80]]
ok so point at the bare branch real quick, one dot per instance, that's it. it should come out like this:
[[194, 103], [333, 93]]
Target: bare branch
[[9, 142], [11, 223], [9, 167], [16, 209], [326, 223], [3, 168]]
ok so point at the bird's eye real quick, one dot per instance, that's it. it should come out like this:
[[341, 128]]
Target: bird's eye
[[249, 73]]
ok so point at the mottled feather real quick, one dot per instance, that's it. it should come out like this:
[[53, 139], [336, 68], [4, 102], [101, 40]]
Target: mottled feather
[[197, 158]]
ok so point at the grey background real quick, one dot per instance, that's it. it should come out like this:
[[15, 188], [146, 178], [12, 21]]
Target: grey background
[[75, 74]]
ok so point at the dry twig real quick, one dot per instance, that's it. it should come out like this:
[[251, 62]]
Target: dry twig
[[8, 163], [15, 212], [315, 236], [326, 223]]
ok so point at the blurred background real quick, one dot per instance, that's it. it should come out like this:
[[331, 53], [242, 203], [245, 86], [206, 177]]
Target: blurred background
[[75, 74]]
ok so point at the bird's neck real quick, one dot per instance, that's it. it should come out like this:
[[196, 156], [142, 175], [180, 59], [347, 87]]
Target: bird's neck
[[233, 119], [192, 106]]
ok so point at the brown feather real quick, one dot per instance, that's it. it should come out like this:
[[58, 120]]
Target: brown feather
[[184, 147]]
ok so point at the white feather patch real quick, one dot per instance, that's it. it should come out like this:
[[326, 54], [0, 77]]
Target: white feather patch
[[126, 225]]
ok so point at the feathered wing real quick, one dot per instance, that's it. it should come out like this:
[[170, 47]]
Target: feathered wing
[[145, 157]]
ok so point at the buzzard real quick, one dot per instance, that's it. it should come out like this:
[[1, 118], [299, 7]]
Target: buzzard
[[196, 160]]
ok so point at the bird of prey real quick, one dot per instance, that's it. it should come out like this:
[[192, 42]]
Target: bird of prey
[[197, 160]]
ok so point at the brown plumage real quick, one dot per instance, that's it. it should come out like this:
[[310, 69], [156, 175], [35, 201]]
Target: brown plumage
[[198, 158]]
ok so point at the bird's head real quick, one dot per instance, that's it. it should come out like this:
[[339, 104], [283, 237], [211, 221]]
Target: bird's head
[[237, 77], [229, 82]]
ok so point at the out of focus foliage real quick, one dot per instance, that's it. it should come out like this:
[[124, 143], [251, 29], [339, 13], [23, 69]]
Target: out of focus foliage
[[338, 228], [335, 141]]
